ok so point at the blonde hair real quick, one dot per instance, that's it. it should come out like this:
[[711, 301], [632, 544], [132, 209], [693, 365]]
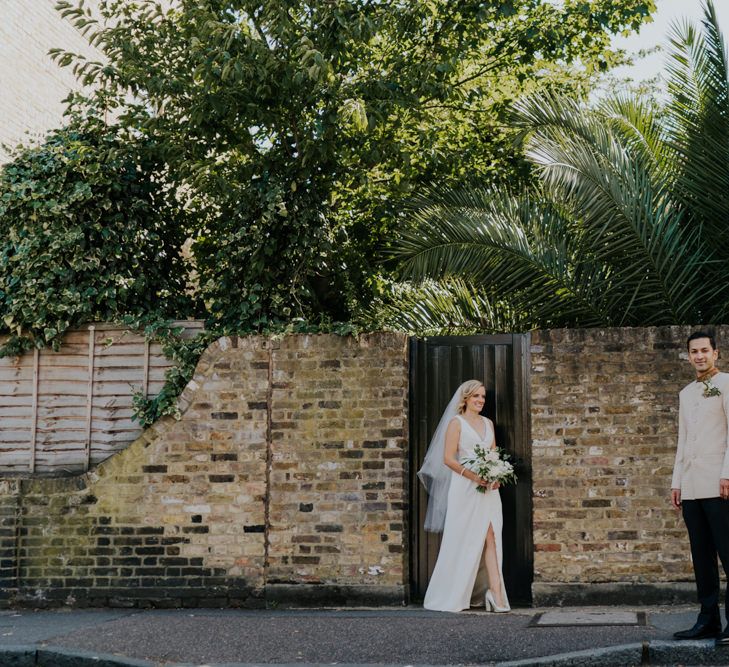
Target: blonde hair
[[467, 390]]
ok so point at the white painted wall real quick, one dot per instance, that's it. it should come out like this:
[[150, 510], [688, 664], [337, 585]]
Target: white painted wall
[[31, 84]]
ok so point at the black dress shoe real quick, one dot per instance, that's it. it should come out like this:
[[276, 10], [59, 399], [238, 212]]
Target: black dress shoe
[[723, 638], [701, 631]]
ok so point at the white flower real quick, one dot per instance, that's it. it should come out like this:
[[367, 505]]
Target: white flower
[[490, 465]]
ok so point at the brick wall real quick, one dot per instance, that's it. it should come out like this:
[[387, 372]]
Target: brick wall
[[283, 479], [604, 412], [338, 473], [32, 84]]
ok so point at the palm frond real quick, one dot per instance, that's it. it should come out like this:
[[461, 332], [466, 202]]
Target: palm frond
[[642, 132], [521, 248], [630, 224], [447, 307], [633, 224], [697, 119]]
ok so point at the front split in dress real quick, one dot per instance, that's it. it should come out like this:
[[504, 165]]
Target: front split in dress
[[460, 580]]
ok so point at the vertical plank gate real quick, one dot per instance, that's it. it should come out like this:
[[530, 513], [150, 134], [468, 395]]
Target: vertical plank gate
[[437, 366]]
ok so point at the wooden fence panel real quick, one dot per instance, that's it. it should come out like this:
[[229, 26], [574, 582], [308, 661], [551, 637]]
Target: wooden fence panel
[[61, 412]]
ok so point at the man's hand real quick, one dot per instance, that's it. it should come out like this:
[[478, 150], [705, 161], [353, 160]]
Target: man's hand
[[676, 497], [724, 488]]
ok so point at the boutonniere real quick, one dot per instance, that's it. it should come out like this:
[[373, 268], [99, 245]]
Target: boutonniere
[[710, 389]]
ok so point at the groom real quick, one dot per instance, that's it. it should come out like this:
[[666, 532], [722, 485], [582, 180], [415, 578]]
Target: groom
[[700, 485]]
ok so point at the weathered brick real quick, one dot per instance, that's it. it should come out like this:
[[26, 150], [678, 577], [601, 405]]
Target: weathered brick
[[603, 424], [154, 468], [254, 528], [217, 479], [224, 415], [185, 505]]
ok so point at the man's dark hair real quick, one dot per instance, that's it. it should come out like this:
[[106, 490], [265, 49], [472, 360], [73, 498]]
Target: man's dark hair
[[701, 334]]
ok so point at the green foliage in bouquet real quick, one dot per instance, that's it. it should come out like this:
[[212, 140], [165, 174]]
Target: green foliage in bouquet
[[492, 464]]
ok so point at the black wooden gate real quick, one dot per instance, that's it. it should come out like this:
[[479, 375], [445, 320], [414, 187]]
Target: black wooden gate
[[438, 366]]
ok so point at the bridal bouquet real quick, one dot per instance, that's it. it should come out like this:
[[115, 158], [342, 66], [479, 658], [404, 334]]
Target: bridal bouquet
[[492, 465]]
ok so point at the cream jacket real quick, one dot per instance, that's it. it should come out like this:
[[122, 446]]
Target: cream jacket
[[702, 455]]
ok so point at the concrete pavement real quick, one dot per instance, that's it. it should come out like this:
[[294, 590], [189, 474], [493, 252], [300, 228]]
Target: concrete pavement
[[383, 636]]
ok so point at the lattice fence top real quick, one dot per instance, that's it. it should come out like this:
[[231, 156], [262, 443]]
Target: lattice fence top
[[62, 412]]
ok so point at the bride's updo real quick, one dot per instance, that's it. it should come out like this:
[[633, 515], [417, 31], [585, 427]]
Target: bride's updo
[[467, 390]]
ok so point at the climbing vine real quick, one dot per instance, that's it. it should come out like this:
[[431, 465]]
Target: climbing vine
[[88, 233], [186, 352]]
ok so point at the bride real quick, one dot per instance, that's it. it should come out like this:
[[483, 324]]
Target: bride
[[468, 570]]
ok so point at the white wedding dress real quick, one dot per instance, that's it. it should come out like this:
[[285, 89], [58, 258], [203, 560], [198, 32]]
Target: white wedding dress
[[459, 579]]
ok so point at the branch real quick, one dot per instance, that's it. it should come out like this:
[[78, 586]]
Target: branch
[[492, 64]]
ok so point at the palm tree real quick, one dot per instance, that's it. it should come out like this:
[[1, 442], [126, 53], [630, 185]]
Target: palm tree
[[628, 224]]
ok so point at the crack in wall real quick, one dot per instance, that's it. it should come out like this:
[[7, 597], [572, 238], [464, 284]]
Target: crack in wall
[[269, 464]]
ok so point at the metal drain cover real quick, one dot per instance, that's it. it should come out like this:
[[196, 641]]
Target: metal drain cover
[[577, 617]]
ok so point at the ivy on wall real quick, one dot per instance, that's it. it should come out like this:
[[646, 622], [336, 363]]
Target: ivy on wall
[[186, 353]]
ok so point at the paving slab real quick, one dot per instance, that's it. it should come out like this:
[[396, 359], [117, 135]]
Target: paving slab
[[575, 617]]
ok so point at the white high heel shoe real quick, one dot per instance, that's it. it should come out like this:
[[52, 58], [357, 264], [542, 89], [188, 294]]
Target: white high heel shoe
[[492, 606]]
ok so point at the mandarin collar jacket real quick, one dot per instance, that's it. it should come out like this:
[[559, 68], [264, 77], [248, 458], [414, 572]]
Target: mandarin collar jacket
[[702, 454]]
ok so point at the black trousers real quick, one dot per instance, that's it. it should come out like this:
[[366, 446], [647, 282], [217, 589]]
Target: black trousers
[[707, 520]]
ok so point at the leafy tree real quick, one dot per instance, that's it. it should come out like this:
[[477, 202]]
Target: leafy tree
[[88, 232], [293, 130], [628, 224]]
